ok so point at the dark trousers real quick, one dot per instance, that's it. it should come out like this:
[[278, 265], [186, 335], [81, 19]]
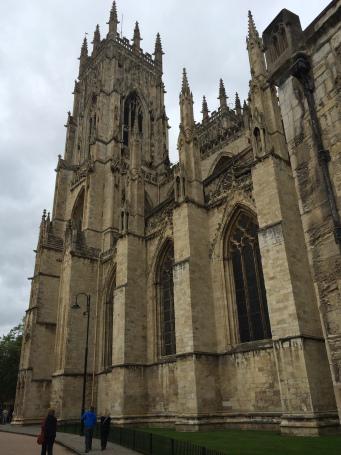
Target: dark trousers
[[104, 439], [47, 448], [88, 432]]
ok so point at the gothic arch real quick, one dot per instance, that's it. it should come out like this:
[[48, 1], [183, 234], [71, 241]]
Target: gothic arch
[[165, 299], [133, 110], [77, 213], [108, 317], [219, 164], [244, 279]]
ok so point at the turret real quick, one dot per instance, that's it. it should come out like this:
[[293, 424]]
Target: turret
[[158, 53], [254, 47], [205, 111], [113, 21], [222, 95], [97, 40], [137, 37], [83, 59]]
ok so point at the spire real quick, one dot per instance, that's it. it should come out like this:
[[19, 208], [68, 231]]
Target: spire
[[238, 106], [255, 49], [204, 111], [113, 20], [83, 59], [222, 95], [186, 105], [158, 52], [97, 39], [137, 37]]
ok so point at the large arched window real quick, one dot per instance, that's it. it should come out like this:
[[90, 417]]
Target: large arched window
[[108, 323], [250, 296], [132, 113], [166, 300]]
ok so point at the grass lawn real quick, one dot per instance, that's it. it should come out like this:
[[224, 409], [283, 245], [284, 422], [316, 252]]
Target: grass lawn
[[238, 442]]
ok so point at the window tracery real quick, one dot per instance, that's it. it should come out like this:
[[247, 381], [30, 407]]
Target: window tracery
[[108, 324], [249, 288]]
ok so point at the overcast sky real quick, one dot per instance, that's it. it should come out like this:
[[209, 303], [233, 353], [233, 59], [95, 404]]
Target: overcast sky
[[39, 45]]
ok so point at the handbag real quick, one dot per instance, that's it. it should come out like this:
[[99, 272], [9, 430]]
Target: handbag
[[40, 437]]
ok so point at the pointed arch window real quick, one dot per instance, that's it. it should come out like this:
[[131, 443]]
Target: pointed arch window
[[249, 289], [108, 323], [166, 301], [132, 113]]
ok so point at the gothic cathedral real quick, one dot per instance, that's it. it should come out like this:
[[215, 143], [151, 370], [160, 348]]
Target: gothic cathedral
[[209, 289]]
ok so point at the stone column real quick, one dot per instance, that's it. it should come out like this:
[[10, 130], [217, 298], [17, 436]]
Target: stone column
[[194, 317]]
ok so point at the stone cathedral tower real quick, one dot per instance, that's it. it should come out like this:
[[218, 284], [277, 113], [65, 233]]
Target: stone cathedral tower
[[206, 308]]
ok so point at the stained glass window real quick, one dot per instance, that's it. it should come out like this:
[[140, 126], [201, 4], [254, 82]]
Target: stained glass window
[[166, 291]]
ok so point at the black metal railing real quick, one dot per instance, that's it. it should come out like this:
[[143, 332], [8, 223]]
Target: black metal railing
[[144, 442]]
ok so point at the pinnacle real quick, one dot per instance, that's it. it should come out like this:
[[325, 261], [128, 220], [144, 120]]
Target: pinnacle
[[237, 102], [185, 86], [252, 31], [158, 44], [204, 110], [137, 30], [113, 14], [137, 36], [97, 35], [222, 92], [84, 49]]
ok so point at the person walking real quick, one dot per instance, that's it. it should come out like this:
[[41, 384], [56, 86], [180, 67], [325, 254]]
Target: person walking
[[104, 429], [4, 416], [89, 419], [48, 432]]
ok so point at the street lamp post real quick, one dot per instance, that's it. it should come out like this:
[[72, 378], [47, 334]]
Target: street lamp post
[[85, 313]]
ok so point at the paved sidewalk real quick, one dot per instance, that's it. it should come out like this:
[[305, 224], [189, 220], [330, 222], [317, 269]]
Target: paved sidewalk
[[72, 442], [19, 444]]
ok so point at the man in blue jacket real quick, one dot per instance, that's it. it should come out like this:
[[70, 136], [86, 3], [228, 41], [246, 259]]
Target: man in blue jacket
[[89, 419]]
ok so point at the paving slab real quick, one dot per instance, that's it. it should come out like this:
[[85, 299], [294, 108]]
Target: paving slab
[[72, 442]]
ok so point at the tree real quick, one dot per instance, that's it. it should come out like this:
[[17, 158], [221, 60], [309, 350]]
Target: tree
[[10, 347]]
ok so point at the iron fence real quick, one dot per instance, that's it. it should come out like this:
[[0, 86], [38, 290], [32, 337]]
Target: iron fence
[[144, 442]]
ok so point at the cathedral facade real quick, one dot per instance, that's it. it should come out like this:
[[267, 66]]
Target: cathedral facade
[[212, 286]]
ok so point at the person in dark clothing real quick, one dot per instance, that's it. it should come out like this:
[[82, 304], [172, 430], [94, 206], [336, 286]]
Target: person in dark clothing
[[48, 430], [104, 429], [89, 418]]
